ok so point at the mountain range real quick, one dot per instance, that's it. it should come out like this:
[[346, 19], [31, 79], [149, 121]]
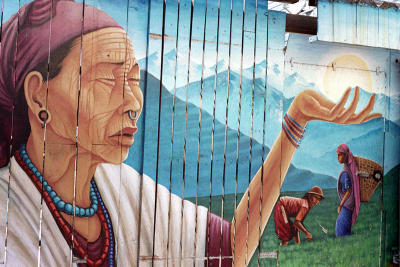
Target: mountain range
[[184, 169], [318, 150]]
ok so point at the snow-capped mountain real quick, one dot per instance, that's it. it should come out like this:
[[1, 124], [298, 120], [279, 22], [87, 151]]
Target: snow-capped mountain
[[209, 171], [317, 152]]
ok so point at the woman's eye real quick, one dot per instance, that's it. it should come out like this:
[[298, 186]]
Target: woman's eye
[[108, 81], [133, 80]]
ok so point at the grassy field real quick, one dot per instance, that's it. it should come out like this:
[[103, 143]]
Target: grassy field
[[360, 249]]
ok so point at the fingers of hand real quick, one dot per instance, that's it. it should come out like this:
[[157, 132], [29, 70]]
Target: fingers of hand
[[372, 116], [349, 117], [350, 110], [338, 108], [358, 118]]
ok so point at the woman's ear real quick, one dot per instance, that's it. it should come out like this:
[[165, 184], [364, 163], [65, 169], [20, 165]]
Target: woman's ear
[[35, 94], [33, 91]]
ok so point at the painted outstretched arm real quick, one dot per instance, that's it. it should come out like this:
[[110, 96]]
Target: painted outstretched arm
[[299, 225], [307, 106]]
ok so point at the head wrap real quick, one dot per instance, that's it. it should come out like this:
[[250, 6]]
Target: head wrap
[[25, 44], [352, 165]]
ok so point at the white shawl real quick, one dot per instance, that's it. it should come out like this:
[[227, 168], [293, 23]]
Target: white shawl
[[119, 186]]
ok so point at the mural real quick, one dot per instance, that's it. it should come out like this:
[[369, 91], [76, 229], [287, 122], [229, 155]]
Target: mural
[[166, 133]]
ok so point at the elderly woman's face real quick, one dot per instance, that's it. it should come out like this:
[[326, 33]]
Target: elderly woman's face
[[109, 88]]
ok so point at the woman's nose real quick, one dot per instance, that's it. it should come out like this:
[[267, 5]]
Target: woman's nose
[[132, 97], [128, 94]]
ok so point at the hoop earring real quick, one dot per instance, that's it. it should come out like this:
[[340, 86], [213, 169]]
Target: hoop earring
[[44, 116], [132, 117]]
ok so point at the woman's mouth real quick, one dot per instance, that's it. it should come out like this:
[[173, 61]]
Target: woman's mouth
[[127, 131], [125, 136]]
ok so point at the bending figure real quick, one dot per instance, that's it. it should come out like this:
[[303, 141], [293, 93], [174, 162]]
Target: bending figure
[[297, 208]]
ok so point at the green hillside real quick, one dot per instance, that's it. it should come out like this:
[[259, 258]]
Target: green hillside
[[360, 249]]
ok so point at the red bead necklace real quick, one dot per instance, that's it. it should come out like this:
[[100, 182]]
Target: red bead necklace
[[64, 227]]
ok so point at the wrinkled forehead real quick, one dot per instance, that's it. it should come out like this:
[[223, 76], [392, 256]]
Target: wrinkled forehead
[[108, 45]]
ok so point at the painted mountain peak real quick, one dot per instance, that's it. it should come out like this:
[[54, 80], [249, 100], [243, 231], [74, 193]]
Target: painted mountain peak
[[297, 178], [317, 152]]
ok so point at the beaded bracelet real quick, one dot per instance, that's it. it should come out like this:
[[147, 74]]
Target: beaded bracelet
[[293, 130]]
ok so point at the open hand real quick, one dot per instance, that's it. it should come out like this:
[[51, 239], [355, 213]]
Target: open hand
[[310, 105]]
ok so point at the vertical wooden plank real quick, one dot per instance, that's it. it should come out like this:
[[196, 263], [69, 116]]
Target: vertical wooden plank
[[325, 20], [186, 255], [129, 100], [138, 30], [215, 183], [7, 9], [153, 85], [198, 91], [7, 199], [154, 59], [155, 251], [373, 26], [168, 120], [383, 28], [394, 37], [184, 57], [16, 194], [85, 62], [174, 22], [243, 143], [362, 24], [350, 23], [250, 107], [222, 99], [260, 80], [239, 93], [276, 67], [48, 229], [339, 17], [204, 92]]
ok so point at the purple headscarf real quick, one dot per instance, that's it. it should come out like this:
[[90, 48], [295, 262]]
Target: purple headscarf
[[25, 44], [352, 165]]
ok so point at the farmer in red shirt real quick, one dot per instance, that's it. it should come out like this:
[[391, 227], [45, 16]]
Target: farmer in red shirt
[[298, 208]]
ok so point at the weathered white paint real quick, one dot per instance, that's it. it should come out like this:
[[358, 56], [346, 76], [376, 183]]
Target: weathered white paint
[[358, 24]]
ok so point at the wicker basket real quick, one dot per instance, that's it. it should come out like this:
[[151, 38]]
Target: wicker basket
[[370, 175]]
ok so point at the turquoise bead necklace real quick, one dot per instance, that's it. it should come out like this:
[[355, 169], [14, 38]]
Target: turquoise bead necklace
[[61, 205]]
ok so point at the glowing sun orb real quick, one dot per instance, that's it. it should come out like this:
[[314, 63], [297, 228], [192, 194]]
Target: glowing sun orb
[[344, 72]]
